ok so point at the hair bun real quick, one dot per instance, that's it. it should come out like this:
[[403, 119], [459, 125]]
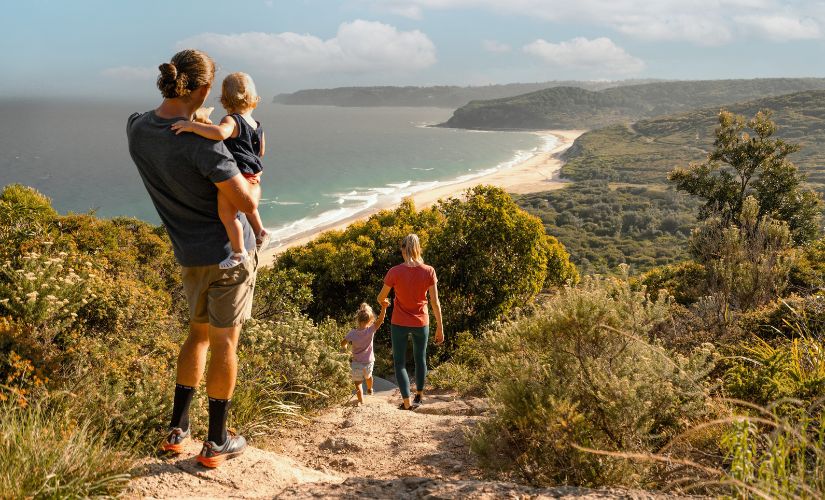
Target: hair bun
[[168, 71]]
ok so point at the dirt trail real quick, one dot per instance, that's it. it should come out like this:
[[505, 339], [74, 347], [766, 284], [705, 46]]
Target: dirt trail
[[369, 451]]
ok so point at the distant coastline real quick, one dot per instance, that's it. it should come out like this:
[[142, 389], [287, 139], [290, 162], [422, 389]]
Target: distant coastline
[[538, 172]]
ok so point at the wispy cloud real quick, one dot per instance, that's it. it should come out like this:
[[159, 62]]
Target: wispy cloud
[[495, 47], [703, 22], [358, 47], [598, 57]]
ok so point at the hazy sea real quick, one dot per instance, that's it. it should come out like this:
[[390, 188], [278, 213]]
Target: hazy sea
[[322, 163]]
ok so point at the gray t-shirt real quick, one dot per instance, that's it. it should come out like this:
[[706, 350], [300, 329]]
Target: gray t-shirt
[[180, 172]]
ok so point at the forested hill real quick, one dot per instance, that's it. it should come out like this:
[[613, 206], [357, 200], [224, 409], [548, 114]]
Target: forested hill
[[438, 96], [579, 108], [645, 151]]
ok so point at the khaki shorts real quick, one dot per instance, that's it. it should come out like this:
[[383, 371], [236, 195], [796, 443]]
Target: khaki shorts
[[221, 297]]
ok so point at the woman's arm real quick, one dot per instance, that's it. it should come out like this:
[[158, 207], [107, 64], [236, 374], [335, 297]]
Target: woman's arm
[[224, 130], [439, 323], [385, 292]]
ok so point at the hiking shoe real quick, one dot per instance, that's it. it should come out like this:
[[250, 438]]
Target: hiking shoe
[[412, 407], [174, 441], [417, 399], [212, 455]]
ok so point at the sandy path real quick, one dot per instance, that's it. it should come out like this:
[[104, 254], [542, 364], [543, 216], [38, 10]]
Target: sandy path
[[354, 452], [538, 173]]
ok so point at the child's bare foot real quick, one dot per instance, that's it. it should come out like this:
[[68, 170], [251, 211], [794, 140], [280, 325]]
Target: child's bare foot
[[234, 259]]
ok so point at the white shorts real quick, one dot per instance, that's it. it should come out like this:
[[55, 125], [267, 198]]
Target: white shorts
[[361, 371]]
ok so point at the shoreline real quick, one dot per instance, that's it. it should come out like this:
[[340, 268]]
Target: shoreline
[[535, 174]]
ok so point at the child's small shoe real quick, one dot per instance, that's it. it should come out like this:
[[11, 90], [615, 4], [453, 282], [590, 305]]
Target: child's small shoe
[[234, 259], [370, 392], [262, 240]]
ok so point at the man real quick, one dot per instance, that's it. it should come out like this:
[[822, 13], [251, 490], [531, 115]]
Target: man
[[183, 174]]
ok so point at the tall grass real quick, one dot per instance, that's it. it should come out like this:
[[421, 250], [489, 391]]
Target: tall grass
[[44, 453]]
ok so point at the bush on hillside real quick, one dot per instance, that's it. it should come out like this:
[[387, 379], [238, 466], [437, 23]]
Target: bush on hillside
[[601, 385]]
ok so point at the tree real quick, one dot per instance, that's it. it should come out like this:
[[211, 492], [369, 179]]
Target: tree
[[491, 256], [757, 165]]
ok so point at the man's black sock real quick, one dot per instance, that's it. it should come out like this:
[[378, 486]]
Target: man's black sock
[[218, 411], [180, 409]]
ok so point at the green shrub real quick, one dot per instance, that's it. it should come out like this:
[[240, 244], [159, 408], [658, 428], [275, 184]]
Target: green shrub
[[602, 385], [684, 281], [287, 365], [47, 453]]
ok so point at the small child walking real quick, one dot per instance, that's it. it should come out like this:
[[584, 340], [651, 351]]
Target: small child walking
[[363, 358], [244, 138]]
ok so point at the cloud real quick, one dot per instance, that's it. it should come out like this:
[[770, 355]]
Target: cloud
[[408, 11], [600, 56], [130, 73], [358, 47], [781, 28], [702, 22], [495, 47]]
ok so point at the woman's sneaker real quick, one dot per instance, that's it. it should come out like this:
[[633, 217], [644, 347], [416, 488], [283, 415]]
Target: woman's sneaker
[[174, 441], [417, 399], [212, 455]]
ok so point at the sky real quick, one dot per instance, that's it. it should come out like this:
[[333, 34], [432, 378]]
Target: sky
[[112, 48]]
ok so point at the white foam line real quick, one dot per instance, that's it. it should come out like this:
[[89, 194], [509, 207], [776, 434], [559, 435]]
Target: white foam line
[[364, 198]]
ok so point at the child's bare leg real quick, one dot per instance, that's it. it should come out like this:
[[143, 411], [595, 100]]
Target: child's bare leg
[[369, 385], [257, 225], [234, 230], [359, 393]]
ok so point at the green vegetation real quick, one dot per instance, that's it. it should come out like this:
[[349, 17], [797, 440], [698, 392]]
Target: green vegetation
[[577, 108], [485, 232], [703, 375], [91, 319], [643, 153], [603, 226], [634, 162], [743, 166]]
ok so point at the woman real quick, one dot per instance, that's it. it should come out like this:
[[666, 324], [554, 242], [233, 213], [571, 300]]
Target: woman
[[410, 318]]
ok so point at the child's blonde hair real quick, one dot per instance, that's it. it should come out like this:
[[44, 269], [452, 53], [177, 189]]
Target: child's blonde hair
[[238, 93], [365, 314]]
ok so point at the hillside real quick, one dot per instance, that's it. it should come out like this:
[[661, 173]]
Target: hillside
[[643, 153], [619, 208], [571, 107], [443, 96]]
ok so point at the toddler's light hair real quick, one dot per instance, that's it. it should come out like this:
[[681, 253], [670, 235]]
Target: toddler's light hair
[[364, 314], [238, 93]]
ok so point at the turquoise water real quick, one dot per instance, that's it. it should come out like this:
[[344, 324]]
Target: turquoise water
[[322, 164]]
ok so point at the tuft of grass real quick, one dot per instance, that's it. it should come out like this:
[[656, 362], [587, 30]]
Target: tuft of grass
[[44, 453]]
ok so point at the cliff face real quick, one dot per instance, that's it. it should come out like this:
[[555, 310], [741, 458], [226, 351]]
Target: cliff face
[[578, 108]]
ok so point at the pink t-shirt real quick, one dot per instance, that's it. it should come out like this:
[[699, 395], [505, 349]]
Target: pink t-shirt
[[362, 343], [410, 284]]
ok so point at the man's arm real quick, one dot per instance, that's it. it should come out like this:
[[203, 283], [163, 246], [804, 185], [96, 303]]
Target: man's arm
[[241, 193], [224, 130]]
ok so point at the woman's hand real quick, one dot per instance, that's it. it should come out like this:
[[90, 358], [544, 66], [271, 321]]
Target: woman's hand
[[439, 334], [385, 303], [182, 126]]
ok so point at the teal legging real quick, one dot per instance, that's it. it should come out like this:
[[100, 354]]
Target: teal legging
[[419, 334]]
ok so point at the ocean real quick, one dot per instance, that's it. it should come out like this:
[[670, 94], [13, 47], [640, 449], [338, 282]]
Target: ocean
[[323, 164]]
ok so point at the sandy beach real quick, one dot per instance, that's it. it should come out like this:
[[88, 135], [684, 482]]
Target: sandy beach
[[538, 173]]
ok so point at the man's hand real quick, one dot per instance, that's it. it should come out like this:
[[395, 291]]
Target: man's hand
[[182, 126], [439, 335]]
